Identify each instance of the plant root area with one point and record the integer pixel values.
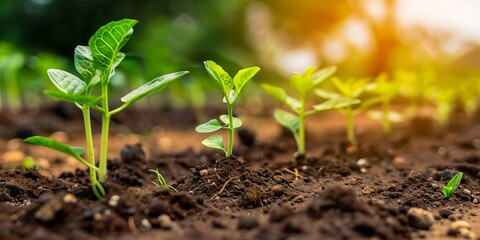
(382, 187)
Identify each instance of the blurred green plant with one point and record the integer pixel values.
(303, 84)
(160, 181)
(96, 64)
(231, 88)
(11, 62)
(351, 89)
(29, 164)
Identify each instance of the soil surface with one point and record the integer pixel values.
(382, 187)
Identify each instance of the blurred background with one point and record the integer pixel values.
(437, 38)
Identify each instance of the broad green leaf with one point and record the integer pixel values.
(210, 126)
(452, 185)
(327, 95)
(342, 87)
(322, 74)
(66, 82)
(215, 141)
(336, 103)
(236, 121)
(302, 83)
(74, 152)
(83, 100)
(281, 96)
(222, 77)
(242, 77)
(84, 63)
(118, 59)
(287, 120)
(106, 43)
(151, 87)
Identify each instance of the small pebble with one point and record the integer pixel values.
(247, 222)
(363, 170)
(352, 149)
(466, 191)
(146, 224)
(299, 199)
(203, 172)
(13, 156)
(475, 200)
(399, 161)
(113, 202)
(459, 224)
(363, 162)
(165, 221)
(445, 213)
(420, 218)
(97, 216)
(69, 198)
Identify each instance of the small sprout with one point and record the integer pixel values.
(303, 84)
(452, 185)
(160, 182)
(29, 164)
(231, 90)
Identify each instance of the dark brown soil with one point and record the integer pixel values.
(337, 191)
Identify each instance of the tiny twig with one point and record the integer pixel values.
(411, 172)
(296, 174)
(218, 176)
(223, 188)
(132, 226)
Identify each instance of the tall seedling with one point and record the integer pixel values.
(231, 90)
(96, 64)
(304, 84)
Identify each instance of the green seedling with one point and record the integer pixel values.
(29, 164)
(452, 185)
(232, 88)
(304, 84)
(11, 62)
(160, 182)
(351, 89)
(96, 64)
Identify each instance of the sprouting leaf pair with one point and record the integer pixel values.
(303, 84)
(231, 88)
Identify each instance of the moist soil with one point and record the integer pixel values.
(338, 191)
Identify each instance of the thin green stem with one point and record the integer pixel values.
(301, 128)
(350, 126)
(230, 130)
(96, 186)
(102, 172)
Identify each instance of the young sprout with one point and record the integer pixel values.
(351, 89)
(29, 164)
(96, 64)
(452, 185)
(231, 90)
(160, 182)
(303, 84)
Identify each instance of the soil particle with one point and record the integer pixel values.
(132, 153)
(47, 212)
(247, 222)
(247, 136)
(420, 218)
(278, 213)
(444, 175)
(445, 213)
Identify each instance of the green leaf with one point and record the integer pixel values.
(83, 100)
(210, 126)
(84, 63)
(242, 77)
(74, 152)
(118, 59)
(322, 74)
(303, 83)
(215, 141)
(106, 43)
(222, 77)
(342, 87)
(452, 185)
(281, 96)
(236, 121)
(66, 82)
(287, 120)
(151, 87)
(327, 95)
(336, 103)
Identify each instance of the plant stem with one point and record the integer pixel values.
(91, 151)
(350, 126)
(230, 130)
(301, 128)
(102, 172)
(387, 127)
